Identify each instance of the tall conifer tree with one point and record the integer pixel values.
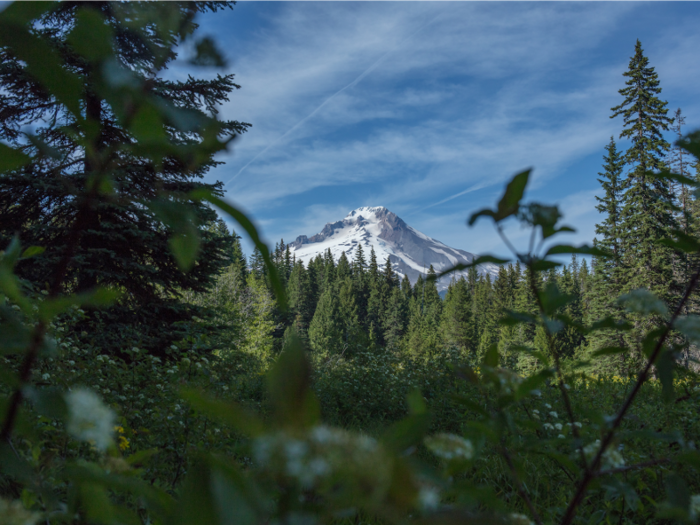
(647, 212)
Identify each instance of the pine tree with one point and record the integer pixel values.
(300, 298)
(325, 330)
(395, 318)
(647, 211)
(123, 244)
(343, 269)
(456, 323)
(609, 273)
(257, 264)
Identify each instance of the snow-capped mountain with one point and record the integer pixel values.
(410, 251)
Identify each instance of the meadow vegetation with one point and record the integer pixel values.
(150, 374)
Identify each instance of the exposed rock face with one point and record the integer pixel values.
(410, 252)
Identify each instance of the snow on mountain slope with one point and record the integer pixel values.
(411, 252)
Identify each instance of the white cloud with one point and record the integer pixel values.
(423, 106)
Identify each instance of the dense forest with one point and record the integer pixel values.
(152, 374)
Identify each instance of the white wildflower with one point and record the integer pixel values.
(46, 377)
(577, 424)
(554, 414)
(520, 519)
(561, 436)
(428, 498)
(450, 446)
(547, 405)
(535, 411)
(548, 426)
(14, 513)
(558, 426)
(89, 418)
(694, 510)
(611, 459)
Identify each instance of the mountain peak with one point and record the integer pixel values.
(411, 252)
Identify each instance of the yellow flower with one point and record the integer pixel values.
(123, 443)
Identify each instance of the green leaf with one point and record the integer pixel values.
(91, 37)
(670, 176)
(48, 402)
(185, 248)
(665, 365)
(42, 61)
(289, 387)
(691, 144)
(681, 242)
(147, 125)
(483, 259)
(11, 159)
(509, 203)
(251, 230)
(552, 299)
(677, 491)
(32, 251)
(491, 358)
(643, 302)
(226, 412)
(22, 13)
(98, 298)
(207, 54)
(215, 493)
(531, 383)
(416, 403)
(406, 433)
(559, 249)
(610, 350)
(689, 326)
(541, 265)
(609, 323)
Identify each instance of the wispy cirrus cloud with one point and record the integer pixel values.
(427, 108)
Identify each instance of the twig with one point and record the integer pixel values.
(632, 467)
(521, 489)
(589, 474)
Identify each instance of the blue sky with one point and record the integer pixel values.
(429, 108)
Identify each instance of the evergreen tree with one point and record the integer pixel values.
(257, 264)
(456, 323)
(406, 286)
(647, 211)
(343, 269)
(123, 244)
(300, 298)
(325, 330)
(395, 318)
(388, 272)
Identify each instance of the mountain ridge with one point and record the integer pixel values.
(410, 251)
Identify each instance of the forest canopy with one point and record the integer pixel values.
(153, 374)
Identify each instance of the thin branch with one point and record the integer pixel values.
(521, 489)
(633, 467)
(589, 474)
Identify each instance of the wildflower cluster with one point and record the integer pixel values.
(611, 459)
(90, 420)
(14, 513)
(450, 447)
(324, 458)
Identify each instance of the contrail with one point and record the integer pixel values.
(306, 118)
(468, 190)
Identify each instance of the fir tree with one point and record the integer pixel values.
(395, 318)
(325, 330)
(456, 323)
(647, 211)
(123, 244)
(300, 298)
